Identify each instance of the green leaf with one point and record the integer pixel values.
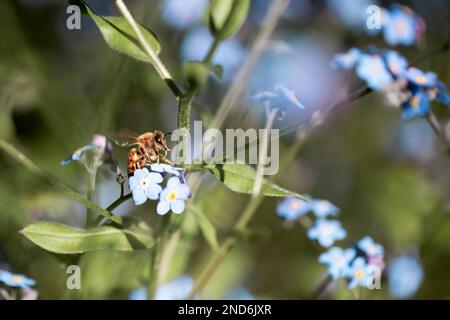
(208, 230)
(227, 16)
(119, 35)
(241, 178)
(195, 74)
(62, 239)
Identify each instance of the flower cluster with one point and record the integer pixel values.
(145, 184)
(403, 85)
(357, 264)
(401, 26)
(326, 232)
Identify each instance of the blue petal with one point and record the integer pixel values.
(163, 207)
(173, 182)
(153, 191)
(133, 182)
(154, 177)
(177, 206)
(139, 196)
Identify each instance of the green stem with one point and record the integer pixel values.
(33, 168)
(157, 251)
(438, 130)
(114, 205)
(212, 51)
(156, 62)
(90, 214)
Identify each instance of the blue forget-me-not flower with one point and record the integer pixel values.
(292, 208)
(372, 70)
(326, 232)
(359, 273)
(337, 260)
(370, 248)
(402, 26)
(145, 185)
(16, 280)
(323, 208)
(173, 197)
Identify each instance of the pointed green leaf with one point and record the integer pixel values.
(207, 229)
(62, 239)
(241, 178)
(227, 16)
(119, 35)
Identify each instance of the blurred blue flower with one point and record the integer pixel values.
(177, 289)
(292, 208)
(279, 96)
(370, 248)
(16, 280)
(420, 78)
(326, 232)
(418, 105)
(145, 184)
(372, 70)
(180, 14)
(396, 63)
(359, 273)
(402, 26)
(229, 55)
(138, 294)
(345, 60)
(405, 274)
(173, 197)
(165, 168)
(323, 208)
(337, 260)
(77, 154)
(240, 294)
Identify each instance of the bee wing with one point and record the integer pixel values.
(123, 139)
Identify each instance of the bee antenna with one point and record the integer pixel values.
(168, 133)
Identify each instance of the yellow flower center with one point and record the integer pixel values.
(172, 196)
(359, 274)
(16, 278)
(294, 205)
(339, 261)
(393, 67)
(372, 249)
(414, 102)
(421, 79)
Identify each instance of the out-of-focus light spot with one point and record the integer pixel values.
(180, 14)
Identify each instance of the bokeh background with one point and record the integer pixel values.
(58, 87)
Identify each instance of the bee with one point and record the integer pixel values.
(151, 147)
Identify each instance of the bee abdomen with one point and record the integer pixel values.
(135, 161)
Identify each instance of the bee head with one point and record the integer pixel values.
(160, 141)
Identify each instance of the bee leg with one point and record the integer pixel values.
(164, 159)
